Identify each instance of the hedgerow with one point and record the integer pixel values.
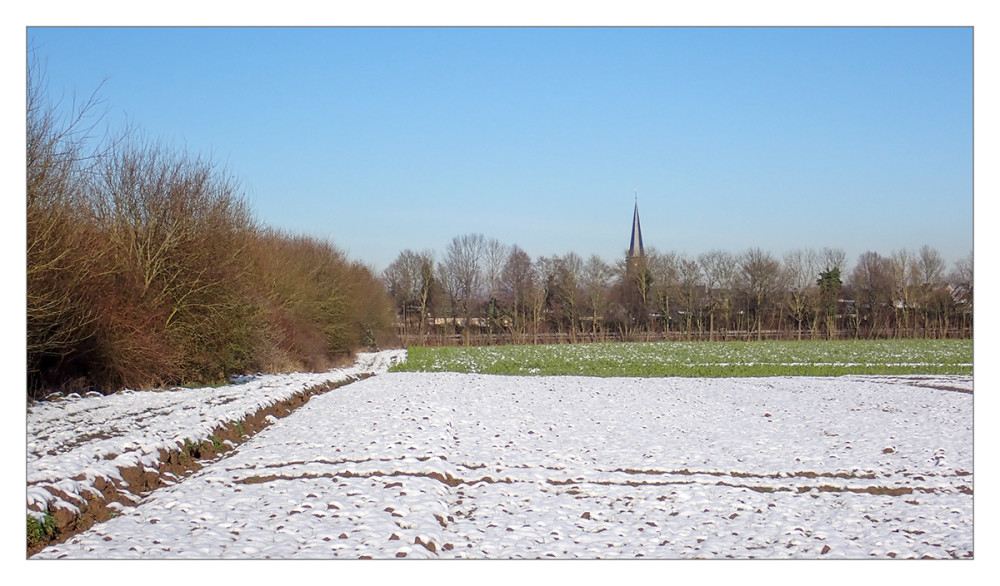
(145, 268)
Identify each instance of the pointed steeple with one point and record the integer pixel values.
(636, 233)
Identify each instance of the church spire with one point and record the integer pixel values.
(635, 247)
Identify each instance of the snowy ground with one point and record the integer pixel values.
(96, 436)
(478, 466)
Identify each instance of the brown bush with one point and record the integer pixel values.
(64, 251)
(178, 232)
(320, 306)
(145, 268)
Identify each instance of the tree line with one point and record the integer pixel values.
(482, 291)
(145, 267)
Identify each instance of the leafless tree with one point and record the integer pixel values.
(661, 284)
(962, 277)
(930, 271)
(564, 292)
(596, 284)
(543, 269)
(689, 280)
(963, 272)
(637, 293)
(752, 294)
(760, 278)
(428, 284)
(931, 266)
(400, 281)
(495, 255)
(801, 271)
(903, 271)
(409, 280)
(462, 276)
(516, 284)
(833, 258)
(719, 268)
(872, 286)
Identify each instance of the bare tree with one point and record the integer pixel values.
(495, 255)
(428, 284)
(662, 283)
(903, 268)
(689, 281)
(516, 285)
(931, 266)
(462, 276)
(719, 268)
(637, 292)
(930, 271)
(409, 280)
(963, 272)
(538, 294)
(760, 278)
(962, 277)
(400, 282)
(872, 286)
(564, 292)
(596, 284)
(752, 294)
(833, 258)
(800, 268)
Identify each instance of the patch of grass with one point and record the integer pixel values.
(216, 442)
(41, 530)
(702, 359)
(191, 449)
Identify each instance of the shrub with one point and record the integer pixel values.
(41, 530)
(318, 305)
(145, 268)
(64, 251)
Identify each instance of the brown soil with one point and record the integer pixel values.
(442, 478)
(172, 465)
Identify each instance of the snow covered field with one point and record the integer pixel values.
(96, 436)
(428, 465)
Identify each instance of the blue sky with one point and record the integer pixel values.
(382, 139)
